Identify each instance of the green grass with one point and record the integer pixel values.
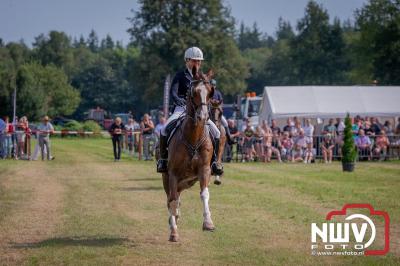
(107, 213)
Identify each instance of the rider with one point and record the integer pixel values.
(217, 98)
(179, 88)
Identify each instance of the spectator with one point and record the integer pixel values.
(21, 138)
(397, 131)
(259, 142)
(116, 135)
(327, 147)
(330, 128)
(367, 129)
(275, 147)
(299, 146)
(247, 143)
(287, 146)
(267, 141)
(2, 138)
(357, 125)
(147, 128)
(363, 144)
(289, 126)
(130, 128)
(387, 127)
(297, 128)
(274, 127)
(308, 154)
(339, 126)
(381, 145)
(45, 129)
(308, 131)
(375, 126)
(235, 135)
(160, 126)
(8, 144)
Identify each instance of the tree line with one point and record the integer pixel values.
(60, 75)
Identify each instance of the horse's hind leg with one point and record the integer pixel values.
(173, 208)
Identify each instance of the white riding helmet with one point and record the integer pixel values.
(194, 53)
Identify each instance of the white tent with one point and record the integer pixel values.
(329, 101)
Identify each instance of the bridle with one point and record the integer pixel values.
(196, 108)
(194, 149)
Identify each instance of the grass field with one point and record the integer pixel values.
(84, 209)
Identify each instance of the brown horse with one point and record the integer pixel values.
(216, 115)
(189, 154)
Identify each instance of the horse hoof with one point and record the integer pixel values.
(208, 227)
(174, 238)
(217, 181)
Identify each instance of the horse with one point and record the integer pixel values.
(216, 115)
(189, 154)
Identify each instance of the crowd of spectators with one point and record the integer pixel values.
(298, 142)
(15, 139)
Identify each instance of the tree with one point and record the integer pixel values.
(164, 29)
(379, 44)
(349, 151)
(93, 41)
(251, 38)
(318, 49)
(44, 90)
(107, 43)
(54, 49)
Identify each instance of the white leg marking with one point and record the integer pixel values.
(205, 196)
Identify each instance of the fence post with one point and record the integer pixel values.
(140, 146)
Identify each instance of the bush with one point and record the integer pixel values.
(57, 127)
(349, 150)
(73, 125)
(91, 126)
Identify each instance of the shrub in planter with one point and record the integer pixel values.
(348, 151)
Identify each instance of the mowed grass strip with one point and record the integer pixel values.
(115, 213)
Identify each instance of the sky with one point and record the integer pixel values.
(26, 19)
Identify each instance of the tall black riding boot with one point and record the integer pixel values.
(162, 164)
(231, 141)
(216, 167)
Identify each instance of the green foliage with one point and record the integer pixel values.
(91, 126)
(44, 90)
(318, 49)
(165, 29)
(73, 126)
(349, 151)
(379, 42)
(119, 79)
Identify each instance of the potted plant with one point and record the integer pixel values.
(349, 152)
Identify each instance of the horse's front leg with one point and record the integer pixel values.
(173, 208)
(205, 197)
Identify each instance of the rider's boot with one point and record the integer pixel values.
(162, 164)
(229, 138)
(216, 167)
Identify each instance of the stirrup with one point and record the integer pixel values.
(162, 166)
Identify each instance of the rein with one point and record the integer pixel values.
(193, 149)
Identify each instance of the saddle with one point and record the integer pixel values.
(171, 129)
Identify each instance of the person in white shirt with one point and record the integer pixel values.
(308, 131)
(44, 131)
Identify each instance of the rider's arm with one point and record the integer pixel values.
(174, 92)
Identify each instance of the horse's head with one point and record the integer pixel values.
(216, 111)
(199, 97)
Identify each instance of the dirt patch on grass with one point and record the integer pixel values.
(36, 218)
